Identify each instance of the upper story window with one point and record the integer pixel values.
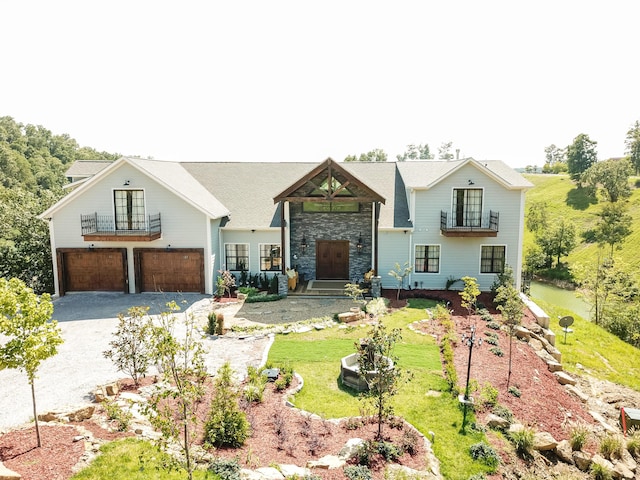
(467, 207)
(492, 258)
(270, 257)
(350, 207)
(427, 259)
(129, 208)
(236, 256)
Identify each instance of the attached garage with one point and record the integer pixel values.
(175, 270)
(98, 269)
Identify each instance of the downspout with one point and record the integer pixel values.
(410, 257)
(282, 239)
(376, 214)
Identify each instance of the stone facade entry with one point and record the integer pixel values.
(332, 259)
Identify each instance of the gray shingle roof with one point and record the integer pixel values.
(86, 168)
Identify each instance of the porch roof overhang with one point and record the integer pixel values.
(349, 188)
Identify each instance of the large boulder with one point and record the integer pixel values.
(582, 460)
(494, 421)
(564, 452)
(543, 441)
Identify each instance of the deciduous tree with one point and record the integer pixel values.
(413, 152)
(632, 144)
(30, 335)
(613, 225)
(612, 175)
(512, 308)
(581, 154)
(444, 151)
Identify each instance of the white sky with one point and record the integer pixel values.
(302, 80)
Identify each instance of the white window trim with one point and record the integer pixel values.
(113, 204)
(480, 272)
(260, 256)
(226, 267)
(439, 258)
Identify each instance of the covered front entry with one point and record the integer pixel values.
(175, 270)
(332, 259)
(92, 269)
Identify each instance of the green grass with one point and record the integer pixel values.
(565, 200)
(120, 460)
(316, 357)
(605, 355)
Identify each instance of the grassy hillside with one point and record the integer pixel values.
(564, 199)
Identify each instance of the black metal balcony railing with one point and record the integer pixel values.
(488, 224)
(121, 225)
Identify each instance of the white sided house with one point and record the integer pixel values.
(147, 225)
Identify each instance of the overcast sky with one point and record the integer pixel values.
(303, 81)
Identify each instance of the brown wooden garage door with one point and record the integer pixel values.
(175, 270)
(98, 269)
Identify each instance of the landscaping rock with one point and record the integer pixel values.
(600, 460)
(554, 366)
(269, 473)
(628, 460)
(564, 452)
(536, 344)
(82, 414)
(400, 471)
(111, 389)
(582, 460)
(522, 333)
(350, 448)
(328, 462)
(516, 427)
(620, 470)
(6, 474)
(293, 471)
(584, 398)
(543, 441)
(564, 378)
(494, 421)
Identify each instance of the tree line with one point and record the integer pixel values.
(33, 162)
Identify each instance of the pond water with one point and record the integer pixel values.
(561, 297)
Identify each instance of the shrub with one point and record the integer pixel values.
(248, 291)
(409, 441)
(116, 413)
(365, 453)
(522, 440)
(256, 383)
(493, 325)
(633, 443)
(503, 412)
(358, 472)
(484, 453)
(388, 451)
(280, 384)
(226, 469)
(485, 315)
(264, 298)
(211, 323)
(497, 351)
(611, 446)
(578, 435)
(227, 425)
(442, 315)
(489, 395)
(491, 341)
(600, 472)
(515, 391)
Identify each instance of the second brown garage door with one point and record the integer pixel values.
(175, 270)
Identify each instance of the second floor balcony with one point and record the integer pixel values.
(138, 228)
(484, 226)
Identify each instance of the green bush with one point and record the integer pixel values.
(515, 391)
(248, 291)
(116, 413)
(484, 453)
(503, 412)
(497, 351)
(485, 315)
(493, 325)
(226, 469)
(211, 323)
(264, 298)
(358, 472)
(489, 395)
(388, 451)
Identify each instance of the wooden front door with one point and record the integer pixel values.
(332, 259)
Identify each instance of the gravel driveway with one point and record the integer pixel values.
(87, 321)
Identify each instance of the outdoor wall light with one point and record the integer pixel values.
(359, 245)
(303, 244)
(471, 182)
(126, 183)
(91, 246)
